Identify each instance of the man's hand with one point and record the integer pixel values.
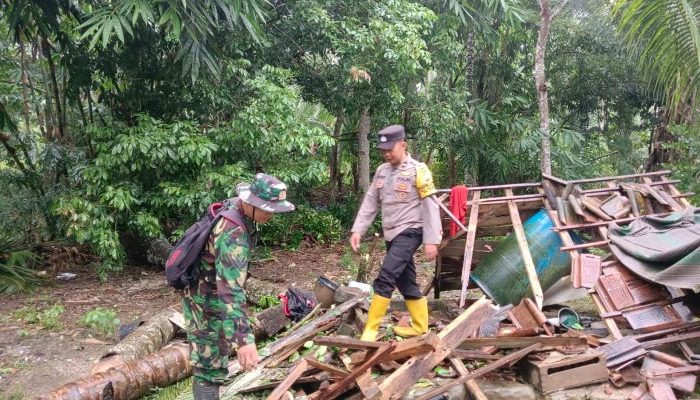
(248, 357)
(355, 239)
(430, 251)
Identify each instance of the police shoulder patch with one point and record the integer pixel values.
(424, 181)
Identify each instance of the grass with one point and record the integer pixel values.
(47, 318)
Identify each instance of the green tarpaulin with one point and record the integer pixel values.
(662, 250)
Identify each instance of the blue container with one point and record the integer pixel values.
(501, 274)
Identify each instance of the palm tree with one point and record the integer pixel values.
(195, 23)
(665, 37)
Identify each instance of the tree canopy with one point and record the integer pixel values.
(126, 118)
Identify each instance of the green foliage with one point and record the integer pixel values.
(304, 224)
(172, 392)
(665, 36)
(686, 165)
(101, 322)
(194, 24)
(16, 273)
(48, 318)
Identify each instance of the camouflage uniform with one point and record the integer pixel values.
(215, 310)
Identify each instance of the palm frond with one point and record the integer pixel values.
(665, 36)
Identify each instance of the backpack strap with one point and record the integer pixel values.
(222, 209)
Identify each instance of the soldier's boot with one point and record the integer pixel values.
(203, 390)
(419, 319)
(377, 309)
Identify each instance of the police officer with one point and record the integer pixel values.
(403, 188)
(215, 310)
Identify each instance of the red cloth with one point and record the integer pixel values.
(458, 207)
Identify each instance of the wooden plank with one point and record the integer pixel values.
(603, 223)
(287, 383)
(347, 343)
(449, 213)
(525, 252)
(671, 339)
(338, 388)
(469, 247)
(507, 360)
(335, 371)
(499, 187)
(609, 322)
(473, 355)
(471, 385)
(406, 348)
(367, 385)
(601, 243)
(674, 191)
(509, 342)
(566, 239)
(692, 369)
(396, 385)
(619, 177)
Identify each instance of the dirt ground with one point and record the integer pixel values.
(36, 358)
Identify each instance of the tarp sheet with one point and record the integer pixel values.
(665, 250)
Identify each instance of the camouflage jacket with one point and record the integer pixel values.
(225, 261)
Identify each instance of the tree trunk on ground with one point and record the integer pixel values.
(334, 162)
(546, 17)
(363, 152)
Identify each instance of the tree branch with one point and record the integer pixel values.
(558, 9)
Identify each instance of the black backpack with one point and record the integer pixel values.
(182, 267)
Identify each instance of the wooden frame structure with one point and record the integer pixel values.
(496, 211)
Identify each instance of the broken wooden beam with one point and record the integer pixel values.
(338, 388)
(347, 343)
(469, 247)
(471, 385)
(400, 381)
(508, 342)
(294, 374)
(507, 360)
(525, 251)
(334, 371)
(405, 348)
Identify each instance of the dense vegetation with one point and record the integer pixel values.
(125, 118)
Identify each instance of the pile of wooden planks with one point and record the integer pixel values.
(625, 301)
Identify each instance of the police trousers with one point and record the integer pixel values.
(398, 269)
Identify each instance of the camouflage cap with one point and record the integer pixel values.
(266, 193)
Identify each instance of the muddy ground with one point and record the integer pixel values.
(49, 352)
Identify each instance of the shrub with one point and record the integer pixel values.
(306, 223)
(101, 322)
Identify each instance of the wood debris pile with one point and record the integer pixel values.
(647, 339)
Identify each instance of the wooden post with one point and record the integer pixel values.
(469, 246)
(525, 251)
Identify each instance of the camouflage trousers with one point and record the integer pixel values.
(208, 322)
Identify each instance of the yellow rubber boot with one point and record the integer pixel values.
(419, 318)
(377, 309)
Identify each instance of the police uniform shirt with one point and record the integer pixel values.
(405, 194)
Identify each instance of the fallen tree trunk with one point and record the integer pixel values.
(131, 379)
(146, 339)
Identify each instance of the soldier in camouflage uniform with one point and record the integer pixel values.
(215, 310)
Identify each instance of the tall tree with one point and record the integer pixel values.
(547, 15)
